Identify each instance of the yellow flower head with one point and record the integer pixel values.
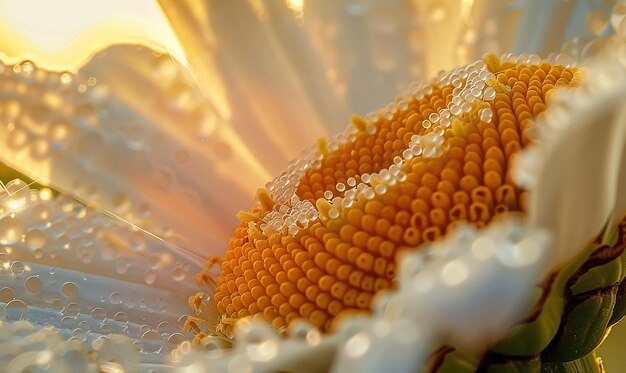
(324, 237)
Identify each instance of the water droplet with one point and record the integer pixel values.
(120, 316)
(176, 339)
(523, 253)
(6, 295)
(489, 94)
(39, 149)
(72, 309)
(122, 268)
(27, 67)
(358, 345)
(69, 290)
(105, 328)
(137, 241)
(564, 60)
(593, 48)
(11, 230)
(483, 248)
(17, 268)
(17, 138)
(259, 340)
(85, 258)
(178, 273)
(65, 78)
(151, 341)
(68, 322)
(34, 285)
(455, 272)
(181, 322)
(486, 115)
(304, 331)
(597, 22)
(79, 333)
(98, 313)
(16, 310)
(35, 239)
(333, 213)
(56, 305)
(150, 277)
(144, 328)
(115, 298)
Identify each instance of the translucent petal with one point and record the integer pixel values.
(90, 276)
(587, 145)
(139, 141)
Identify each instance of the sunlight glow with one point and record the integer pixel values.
(297, 6)
(66, 33)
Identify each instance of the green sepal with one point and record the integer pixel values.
(600, 277)
(606, 266)
(529, 338)
(583, 326)
(619, 310)
(586, 364)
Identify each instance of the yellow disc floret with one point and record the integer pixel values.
(325, 235)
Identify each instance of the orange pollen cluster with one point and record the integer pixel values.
(441, 157)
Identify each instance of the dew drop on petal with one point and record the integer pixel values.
(137, 241)
(69, 290)
(68, 322)
(6, 295)
(17, 268)
(98, 313)
(34, 285)
(150, 277)
(176, 339)
(115, 298)
(71, 309)
(121, 316)
(11, 230)
(455, 272)
(151, 341)
(597, 22)
(178, 274)
(16, 310)
(35, 239)
(358, 345)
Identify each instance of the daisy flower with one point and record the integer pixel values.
(225, 211)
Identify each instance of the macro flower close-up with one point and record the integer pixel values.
(312, 186)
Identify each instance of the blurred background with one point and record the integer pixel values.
(322, 60)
